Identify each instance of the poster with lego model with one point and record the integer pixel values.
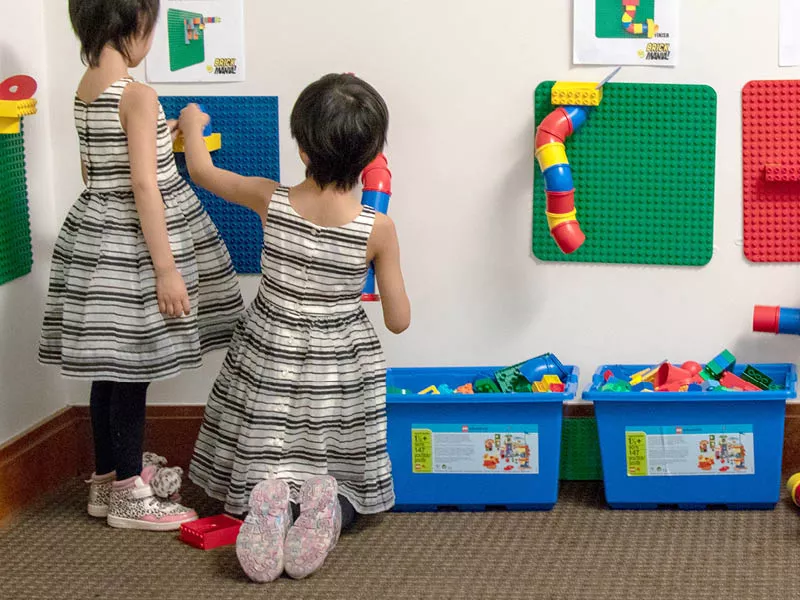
(789, 34)
(689, 450)
(475, 448)
(198, 41)
(626, 32)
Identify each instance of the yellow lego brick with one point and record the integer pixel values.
(548, 379)
(17, 108)
(541, 386)
(576, 94)
(429, 390)
(213, 143)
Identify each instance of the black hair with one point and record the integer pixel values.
(99, 23)
(340, 122)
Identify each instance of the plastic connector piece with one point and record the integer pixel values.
(776, 319)
(11, 111)
(376, 193)
(576, 94)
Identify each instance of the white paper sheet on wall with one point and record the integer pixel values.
(789, 33)
(198, 41)
(615, 32)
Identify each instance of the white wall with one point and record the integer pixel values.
(28, 392)
(459, 76)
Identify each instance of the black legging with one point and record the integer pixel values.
(349, 513)
(118, 411)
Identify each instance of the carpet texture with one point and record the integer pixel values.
(579, 551)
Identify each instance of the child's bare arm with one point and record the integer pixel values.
(139, 118)
(251, 192)
(389, 276)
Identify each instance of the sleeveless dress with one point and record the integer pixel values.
(102, 320)
(302, 388)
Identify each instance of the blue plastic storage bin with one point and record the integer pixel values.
(439, 444)
(672, 448)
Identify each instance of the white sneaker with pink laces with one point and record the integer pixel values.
(133, 506)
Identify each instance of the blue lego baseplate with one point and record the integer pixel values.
(250, 146)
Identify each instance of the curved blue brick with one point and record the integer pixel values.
(558, 178)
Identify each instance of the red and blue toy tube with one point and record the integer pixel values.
(377, 182)
(776, 319)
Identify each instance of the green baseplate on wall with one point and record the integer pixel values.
(16, 256)
(643, 169)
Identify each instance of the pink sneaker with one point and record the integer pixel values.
(99, 494)
(316, 530)
(259, 545)
(133, 506)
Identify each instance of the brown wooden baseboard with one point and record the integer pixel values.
(37, 461)
(60, 448)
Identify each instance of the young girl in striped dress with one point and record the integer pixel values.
(141, 283)
(297, 417)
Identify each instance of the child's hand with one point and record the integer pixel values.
(193, 119)
(173, 129)
(173, 299)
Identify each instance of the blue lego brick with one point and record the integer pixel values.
(250, 146)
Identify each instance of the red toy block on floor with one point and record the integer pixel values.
(211, 532)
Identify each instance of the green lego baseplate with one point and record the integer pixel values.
(183, 53)
(580, 450)
(643, 170)
(16, 255)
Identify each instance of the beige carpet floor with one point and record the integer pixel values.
(580, 550)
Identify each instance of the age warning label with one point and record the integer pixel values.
(689, 450)
(475, 448)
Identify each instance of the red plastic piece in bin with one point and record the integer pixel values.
(211, 532)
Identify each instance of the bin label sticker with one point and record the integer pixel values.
(475, 448)
(689, 450)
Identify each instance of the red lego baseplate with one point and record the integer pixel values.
(770, 159)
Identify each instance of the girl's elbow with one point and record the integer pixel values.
(398, 327)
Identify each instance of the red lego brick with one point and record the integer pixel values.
(729, 380)
(771, 137)
(211, 532)
(782, 173)
(557, 387)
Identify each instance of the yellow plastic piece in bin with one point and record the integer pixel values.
(430, 390)
(541, 386)
(213, 143)
(551, 379)
(576, 94)
(11, 111)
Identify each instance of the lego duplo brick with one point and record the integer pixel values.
(608, 17)
(770, 156)
(249, 129)
(184, 52)
(643, 170)
(16, 255)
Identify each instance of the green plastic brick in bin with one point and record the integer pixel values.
(580, 450)
(643, 170)
(16, 256)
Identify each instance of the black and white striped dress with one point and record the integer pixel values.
(102, 320)
(302, 389)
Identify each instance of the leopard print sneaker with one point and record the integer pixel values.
(99, 493)
(132, 505)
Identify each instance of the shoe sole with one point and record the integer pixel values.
(97, 510)
(315, 494)
(250, 542)
(123, 523)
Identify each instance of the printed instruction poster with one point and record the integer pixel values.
(789, 53)
(198, 41)
(626, 32)
(690, 450)
(497, 449)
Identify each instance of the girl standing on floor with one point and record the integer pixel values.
(141, 284)
(297, 415)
